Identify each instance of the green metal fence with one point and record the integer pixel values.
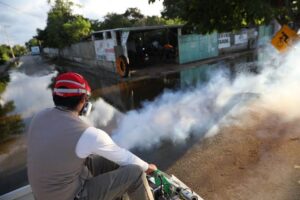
(195, 47)
(265, 34)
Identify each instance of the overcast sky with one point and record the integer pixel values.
(19, 19)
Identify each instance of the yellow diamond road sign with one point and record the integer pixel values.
(284, 38)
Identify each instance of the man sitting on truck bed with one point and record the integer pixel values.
(69, 159)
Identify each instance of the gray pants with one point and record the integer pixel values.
(110, 181)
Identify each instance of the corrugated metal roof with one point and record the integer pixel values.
(141, 28)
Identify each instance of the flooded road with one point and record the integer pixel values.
(129, 109)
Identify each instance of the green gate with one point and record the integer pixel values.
(265, 34)
(196, 47)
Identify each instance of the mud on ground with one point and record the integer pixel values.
(257, 158)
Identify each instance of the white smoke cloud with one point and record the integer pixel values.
(176, 115)
(103, 114)
(282, 84)
(31, 94)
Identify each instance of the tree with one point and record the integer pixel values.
(114, 20)
(131, 17)
(95, 24)
(156, 20)
(41, 36)
(63, 28)
(19, 50)
(32, 42)
(76, 29)
(226, 15)
(5, 54)
(59, 14)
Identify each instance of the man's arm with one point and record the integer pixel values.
(96, 141)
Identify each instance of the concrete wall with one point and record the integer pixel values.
(83, 54)
(51, 52)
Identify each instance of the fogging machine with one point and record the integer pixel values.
(169, 187)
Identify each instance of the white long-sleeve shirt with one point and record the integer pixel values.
(96, 141)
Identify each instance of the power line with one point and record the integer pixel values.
(18, 10)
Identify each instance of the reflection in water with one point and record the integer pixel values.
(30, 94)
(10, 124)
(194, 76)
(128, 95)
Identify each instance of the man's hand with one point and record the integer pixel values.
(151, 168)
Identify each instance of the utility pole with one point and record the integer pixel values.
(8, 42)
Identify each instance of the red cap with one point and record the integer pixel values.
(71, 84)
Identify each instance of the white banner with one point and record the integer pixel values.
(124, 38)
(105, 50)
(224, 40)
(241, 39)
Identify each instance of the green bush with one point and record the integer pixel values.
(4, 53)
(2, 87)
(4, 58)
(19, 50)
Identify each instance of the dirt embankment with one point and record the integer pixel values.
(256, 158)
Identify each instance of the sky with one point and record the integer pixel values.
(19, 19)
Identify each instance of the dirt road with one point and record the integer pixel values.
(257, 158)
